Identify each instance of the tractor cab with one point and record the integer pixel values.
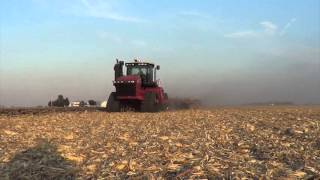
(145, 70)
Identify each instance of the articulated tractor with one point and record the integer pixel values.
(138, 89)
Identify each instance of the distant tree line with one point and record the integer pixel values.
(59, 102)
(92, 103)
(276, 103)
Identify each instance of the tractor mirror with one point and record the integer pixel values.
(158, 67)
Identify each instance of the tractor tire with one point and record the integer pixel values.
(149, 103)
(113, 104)
(165, 106)
(166, 97)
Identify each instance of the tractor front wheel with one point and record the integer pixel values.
(149, 103)
(113, 104)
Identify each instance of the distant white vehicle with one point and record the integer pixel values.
(78, 104)
(103, 104)
(74, 104)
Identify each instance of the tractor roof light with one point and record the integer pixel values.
(121, 82)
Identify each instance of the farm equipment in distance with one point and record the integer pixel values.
(138, 89)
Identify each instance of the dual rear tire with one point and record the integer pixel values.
(149, 104)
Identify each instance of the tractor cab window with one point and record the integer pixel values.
(137, 70)
(145, 72)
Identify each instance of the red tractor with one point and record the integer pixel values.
(138, 90)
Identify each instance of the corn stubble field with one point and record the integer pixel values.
(220, 143)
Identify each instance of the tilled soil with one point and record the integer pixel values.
(221, 143)
(45, 110)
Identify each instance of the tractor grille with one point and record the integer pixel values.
(126, 89)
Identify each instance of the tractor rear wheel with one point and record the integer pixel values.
(166, 97)
(149, 103)
(113, 104)
(165, 106)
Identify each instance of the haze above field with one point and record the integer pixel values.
(222, 52)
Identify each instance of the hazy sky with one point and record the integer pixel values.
(221, 51)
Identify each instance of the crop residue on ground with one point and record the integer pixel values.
(242, 142)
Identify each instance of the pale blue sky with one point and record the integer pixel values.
(267, 49)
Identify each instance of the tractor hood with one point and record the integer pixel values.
(129, 79)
